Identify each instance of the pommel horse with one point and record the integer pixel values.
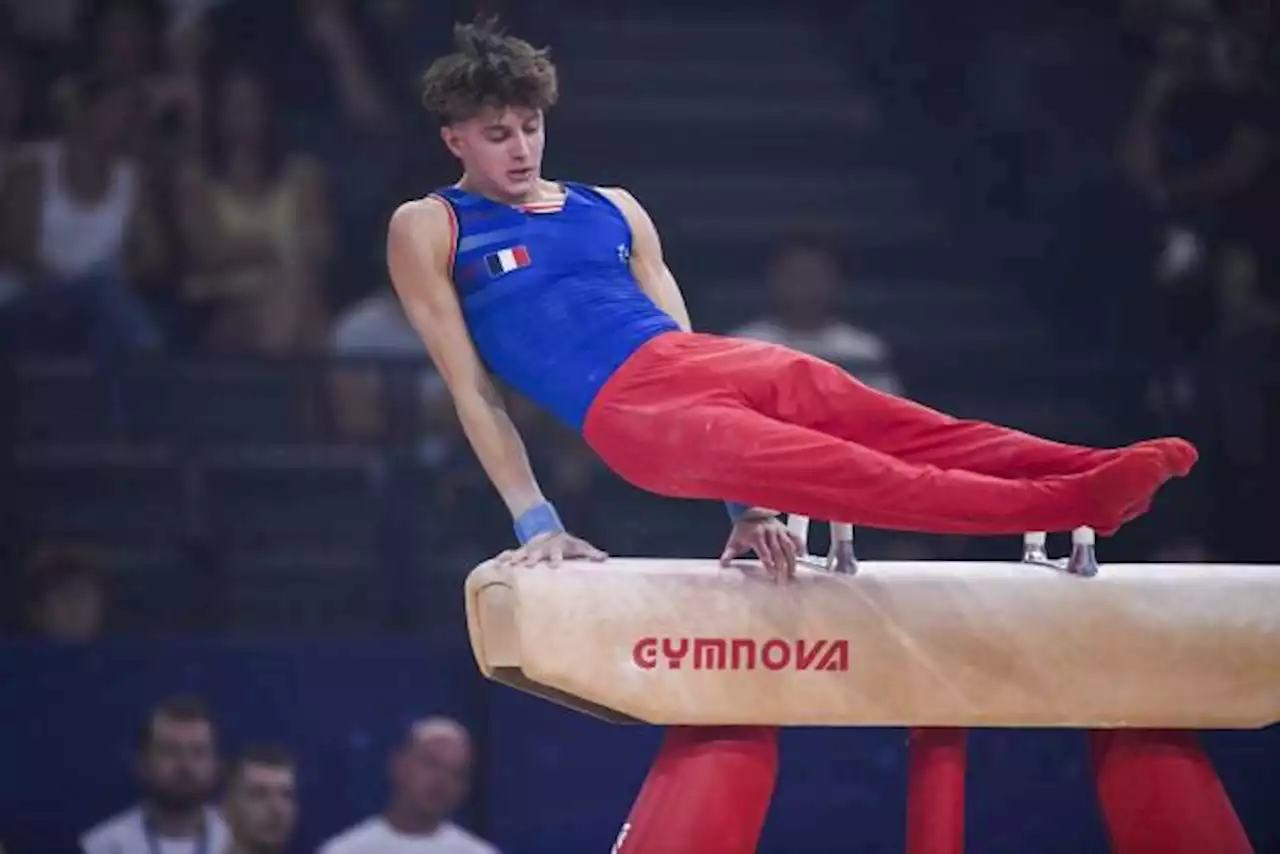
(934, 646)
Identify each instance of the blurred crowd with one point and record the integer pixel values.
(169, 169)
(194, 801)
(1201, 148)
(209, 177)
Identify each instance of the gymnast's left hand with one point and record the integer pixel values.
(551, 548)
(768, 537)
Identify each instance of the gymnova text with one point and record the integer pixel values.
(740, 654)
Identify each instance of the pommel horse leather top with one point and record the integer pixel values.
(937, 643)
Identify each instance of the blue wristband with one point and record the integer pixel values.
(736, 511)
(538, 519)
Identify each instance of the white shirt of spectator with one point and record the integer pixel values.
(126, 834)
(376, 328)
(861, 353)
(375, 836)
(78, 239)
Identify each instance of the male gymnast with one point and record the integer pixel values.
(560, 290)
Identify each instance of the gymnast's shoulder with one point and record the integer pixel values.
(634, 212)
(620, 196)
(429, 215)
(420, 238)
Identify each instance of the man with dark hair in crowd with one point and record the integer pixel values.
(430, 777)
(64, 598)
(261, 800)
(177, 765)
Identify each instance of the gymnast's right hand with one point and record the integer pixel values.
(552, 548)
(764, 534)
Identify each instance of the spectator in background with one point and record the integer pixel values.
(177, 765)
(122, 41)
(1201, 146)
(378, 339)
(804, 280)
(65, 600)
(430, 777)
(78, 228)
(121, 38)
(357, 125)
(255, 220)
(261, 801)
(327, 28)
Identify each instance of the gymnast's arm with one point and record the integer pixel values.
(647, 263)
(418, 248)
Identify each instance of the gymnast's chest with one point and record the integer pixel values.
(542, 250)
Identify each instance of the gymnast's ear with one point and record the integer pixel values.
(452, 140)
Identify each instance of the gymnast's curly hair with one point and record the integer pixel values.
(488, 69)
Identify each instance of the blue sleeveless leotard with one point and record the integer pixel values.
(548, 295)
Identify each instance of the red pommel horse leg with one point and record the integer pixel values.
(1157, 790)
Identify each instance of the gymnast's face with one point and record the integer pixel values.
(501, 150)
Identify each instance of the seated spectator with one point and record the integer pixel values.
(78, 229)
(261, 801)
(65, 600)
(327, 27)
(1200, 145)
(177, 765)
(255, 220)
(375, 334)
(120, 42)
(430, 777)
(804, 281)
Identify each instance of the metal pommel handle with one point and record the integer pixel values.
(840, 558)
(1083, 560)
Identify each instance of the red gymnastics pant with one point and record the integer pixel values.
(701, 416)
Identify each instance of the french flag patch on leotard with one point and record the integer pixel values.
(505, 260)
